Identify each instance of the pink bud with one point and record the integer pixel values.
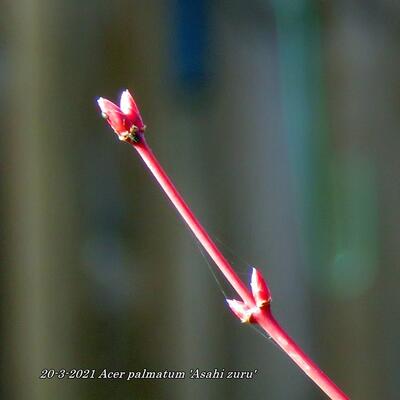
(259, 288)
(241, 310)
(130, 109)
(126, 119)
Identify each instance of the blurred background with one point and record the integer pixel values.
(278, 120)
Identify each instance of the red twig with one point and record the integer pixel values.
(264, 317)
(251, 310)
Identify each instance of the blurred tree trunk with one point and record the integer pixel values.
(40, 200)
(363, 60)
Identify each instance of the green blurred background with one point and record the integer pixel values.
(279, 122)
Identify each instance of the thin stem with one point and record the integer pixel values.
(267, 321)
(264, 316)
(200, 233)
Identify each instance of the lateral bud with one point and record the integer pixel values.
(259, 288)
(241, 310)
